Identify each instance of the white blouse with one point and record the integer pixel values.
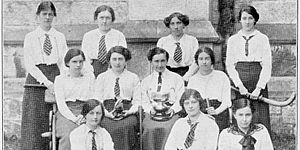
(35, 55)
(259, 51)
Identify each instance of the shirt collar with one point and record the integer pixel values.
(101, 34)
(122, 74)
(164, 73)
(41, 32)
(87, 129)
(180, 40)
(252, 34)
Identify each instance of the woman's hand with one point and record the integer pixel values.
(243, 90)
(51, 88)
(211, 111)
(109, 115)
(80, 119)
(255, 93)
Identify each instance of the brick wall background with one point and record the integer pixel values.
(141, 22)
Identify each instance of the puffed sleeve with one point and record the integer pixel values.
(224, 140)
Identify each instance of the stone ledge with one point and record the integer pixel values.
(134, 31)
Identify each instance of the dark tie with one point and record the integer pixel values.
(190, 137)
(47, 45)
(117, 87)
(159, 82)
(102, 50)
(178, 53)
(94, 146)
(247, 44)
(247, 141)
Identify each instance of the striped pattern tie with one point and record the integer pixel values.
(47, 45)
(190, 138)
(159, 82)
(247, 44)
(102, 50)
(178, 53)
(117, 87)
(94, 146)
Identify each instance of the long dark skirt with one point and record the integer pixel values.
(35, 112)
(124, 132)
(249, 74)
(65, 126)
(155, 133)
(99, 67)
(222, 119)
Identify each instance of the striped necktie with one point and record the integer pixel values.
(47, 45)
(117, 88)
(159, 82)
(178, 53)
(102, 50)
(190, 137)
(247, 44)
(94, 146)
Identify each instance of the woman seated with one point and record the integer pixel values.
(117, 88)
(91, 136)
(197, 131)
(161, 91)
(244, 134)
(213, 85)
(71, 88)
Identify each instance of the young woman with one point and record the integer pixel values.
(249, 61)
(197, 131)
(179, 45)
(160, 81)
(71, 88)
(44, 49)
(244, 134)
(213, 85)
(96, 43)
(112, 86)
(91, 136)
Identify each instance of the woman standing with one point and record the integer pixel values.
(244, 134)
(113, 86)
(97, 42)
(179, 45)
(72, 88)
(249, 61)
(197, 131)
(44, 49)
(160, 82)
(213, 85)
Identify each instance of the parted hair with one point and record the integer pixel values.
(121, 50)
(242, 103)
(250, 10)
(156, 51)
(72, 53)
(208, 51)
(183, 18)
(191, 93)
(46, 5)
(90, 105)
(104, 8)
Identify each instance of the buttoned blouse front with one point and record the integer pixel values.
(81, 139)
(259, 51)
(35, 55)
(128, 82)
(206, 134)
(215, 85)
(189, 45)
(171, 82)
(68, 88)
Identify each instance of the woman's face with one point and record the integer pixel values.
(45, 18)
(204, 61)
(104, 20)
(76, 64)
(159, 62)
(93, 118)
(176, 26)
(117, 62)
(192, 107)
(243, 117)
(247, 21)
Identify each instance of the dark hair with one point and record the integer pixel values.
(90, 105)
(250, 10)
(46, 5)
(187, 94)
(121, 50)
(242, 103)
(104, 8)
(208, 51)
(183, 18)
(72, 53)
(156, 51)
